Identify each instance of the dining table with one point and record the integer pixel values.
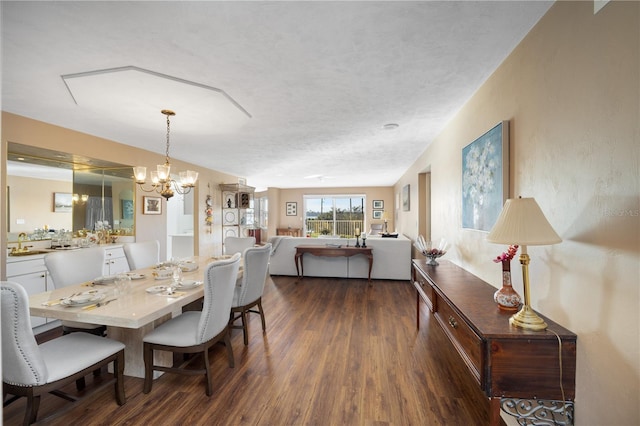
(129, 315)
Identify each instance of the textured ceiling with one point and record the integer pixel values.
(316, 80)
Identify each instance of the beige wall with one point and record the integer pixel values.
(31, 132)
(32, 202)
(279, 198)
(571, 93)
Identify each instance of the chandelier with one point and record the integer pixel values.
(80, 198)
(161, 181)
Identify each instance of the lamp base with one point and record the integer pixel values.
(527, 319)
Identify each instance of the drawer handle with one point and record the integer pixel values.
(453, 323)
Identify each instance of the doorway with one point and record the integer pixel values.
(180, 226)
(424, 205)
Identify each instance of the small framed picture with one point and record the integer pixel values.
(378, 204)
(377, 214)
(127, 209)
(406, 206)
(152, 205)
(62, 202)
(292, 208)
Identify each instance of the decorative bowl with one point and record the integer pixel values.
(433, 254)
(430, 251)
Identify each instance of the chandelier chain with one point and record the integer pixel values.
(168, 130)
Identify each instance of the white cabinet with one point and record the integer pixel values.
(115, 261)
(237, 209)
(31, 273)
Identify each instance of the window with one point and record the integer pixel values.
(341, 215)
(263, 212)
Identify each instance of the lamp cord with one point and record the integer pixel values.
(564, 400)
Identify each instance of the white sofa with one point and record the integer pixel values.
(391, 258)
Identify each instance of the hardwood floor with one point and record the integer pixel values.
(336, 352)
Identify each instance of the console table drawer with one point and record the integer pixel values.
(464, 339)
(424, 288)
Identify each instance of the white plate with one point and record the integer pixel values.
(135, 276)
(188, 266)
(189, 284)
(104, 280)
(75, 302)
(223, 257)
(156, 289)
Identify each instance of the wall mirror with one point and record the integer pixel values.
(52, 190)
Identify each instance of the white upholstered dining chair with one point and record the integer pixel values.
(248, 294)
(143, 254)
(376, 229)
(238, 244)
(195, 332)
(75, 267)
(32, 370)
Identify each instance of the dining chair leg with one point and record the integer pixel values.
(118, 372)
(227, 343)
(80, 384)
(207, 372)
(264, 325)
(33, 404)
(245, 328)
(148, 367)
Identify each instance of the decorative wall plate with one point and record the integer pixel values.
(230, 231)
(229, 217)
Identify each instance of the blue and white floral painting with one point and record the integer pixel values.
(484, 168)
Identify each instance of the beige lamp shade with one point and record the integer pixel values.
(522, 222)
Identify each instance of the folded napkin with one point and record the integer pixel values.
(52, 302)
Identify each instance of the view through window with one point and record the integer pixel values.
(335, 215)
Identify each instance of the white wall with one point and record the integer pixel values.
(571, 93)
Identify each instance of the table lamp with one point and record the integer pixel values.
(385, 217)
(522, 222)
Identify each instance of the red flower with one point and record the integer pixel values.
(506, 257)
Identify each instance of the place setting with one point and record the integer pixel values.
(178, 283)
(79, 299)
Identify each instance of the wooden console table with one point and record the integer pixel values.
(291, 232)
(330, 251)
(520, 371)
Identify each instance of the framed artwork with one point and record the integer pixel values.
(378, 204)
(152, 205)
(62, 202)
(485, 178)
(406, 206)
(292, 208)
(127, 209)
(377, 214)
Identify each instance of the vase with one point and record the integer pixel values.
(506, 297)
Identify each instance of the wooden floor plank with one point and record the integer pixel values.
(336, 352)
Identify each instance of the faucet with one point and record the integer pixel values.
(21, 237)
